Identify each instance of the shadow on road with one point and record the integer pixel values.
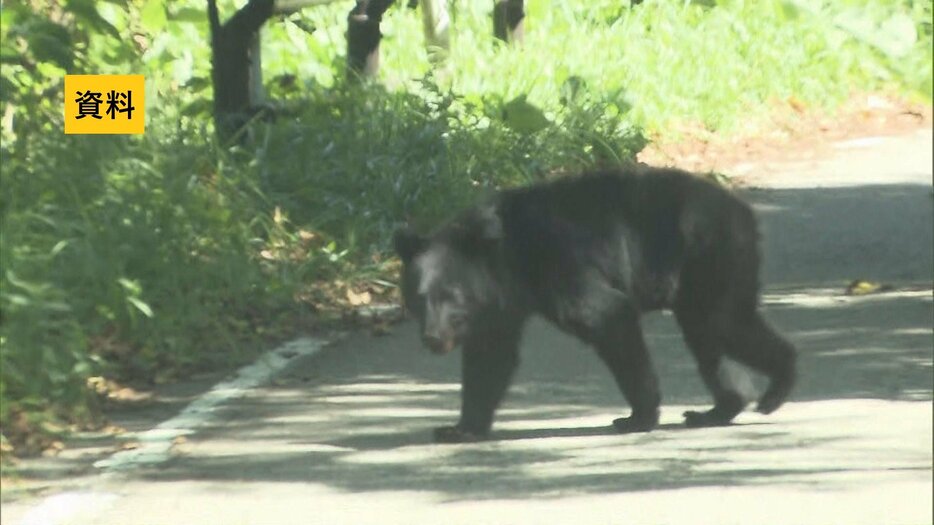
(357, 418)
(830, 236)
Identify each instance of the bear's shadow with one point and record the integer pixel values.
(395, 440)
(604, 430)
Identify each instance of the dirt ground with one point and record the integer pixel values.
(792, 133)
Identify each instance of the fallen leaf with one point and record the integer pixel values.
(357, 299)
(861, 287)
(796, 104)
(53, 449)
(113, 430)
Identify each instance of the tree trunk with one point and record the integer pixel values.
(236, 73)
(363, 37)
(508, 16)
(436, 23)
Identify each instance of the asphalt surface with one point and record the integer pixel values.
(343, 435)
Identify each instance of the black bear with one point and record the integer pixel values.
(590, 254)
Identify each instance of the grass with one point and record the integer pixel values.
(150, 257)
(674, 62)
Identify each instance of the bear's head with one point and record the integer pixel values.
(448, 279)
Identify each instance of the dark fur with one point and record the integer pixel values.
(591, 254)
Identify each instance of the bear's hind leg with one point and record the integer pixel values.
(704, 335)
(757, 345)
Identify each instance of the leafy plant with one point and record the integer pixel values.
(144, 257)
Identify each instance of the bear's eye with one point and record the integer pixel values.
(457, 319)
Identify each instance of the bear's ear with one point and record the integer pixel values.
(489, 225)
(481, 229)
(407, 243)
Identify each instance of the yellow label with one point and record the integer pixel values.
(108, 104)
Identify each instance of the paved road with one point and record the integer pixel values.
(343, 436)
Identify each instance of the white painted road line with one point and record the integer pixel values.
(156, 443)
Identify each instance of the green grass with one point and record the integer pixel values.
(674, 61)
(148, 257)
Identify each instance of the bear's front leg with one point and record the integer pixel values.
(613, 328)
(488, 364)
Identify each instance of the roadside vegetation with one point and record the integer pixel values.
(146, 258)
